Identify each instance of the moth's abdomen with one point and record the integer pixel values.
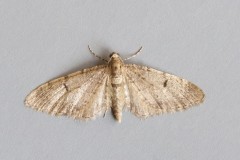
(117, 113)
(118, 100)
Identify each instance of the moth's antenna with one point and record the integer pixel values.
(96, 54)
(134, 55)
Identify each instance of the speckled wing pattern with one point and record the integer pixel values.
(152, 92)
(88, 93)
(82, 95)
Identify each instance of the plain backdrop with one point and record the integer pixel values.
(195, 39)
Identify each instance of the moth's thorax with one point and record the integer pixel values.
(116, 65)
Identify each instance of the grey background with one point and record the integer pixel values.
(195, 39)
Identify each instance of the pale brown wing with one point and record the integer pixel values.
(153, 92)
(82, 95)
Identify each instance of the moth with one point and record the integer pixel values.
(92, 92)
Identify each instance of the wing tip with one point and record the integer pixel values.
(26, 102)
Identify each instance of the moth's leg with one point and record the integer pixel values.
(96, 54)
(104, 113)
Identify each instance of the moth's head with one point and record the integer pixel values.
(114, 55)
